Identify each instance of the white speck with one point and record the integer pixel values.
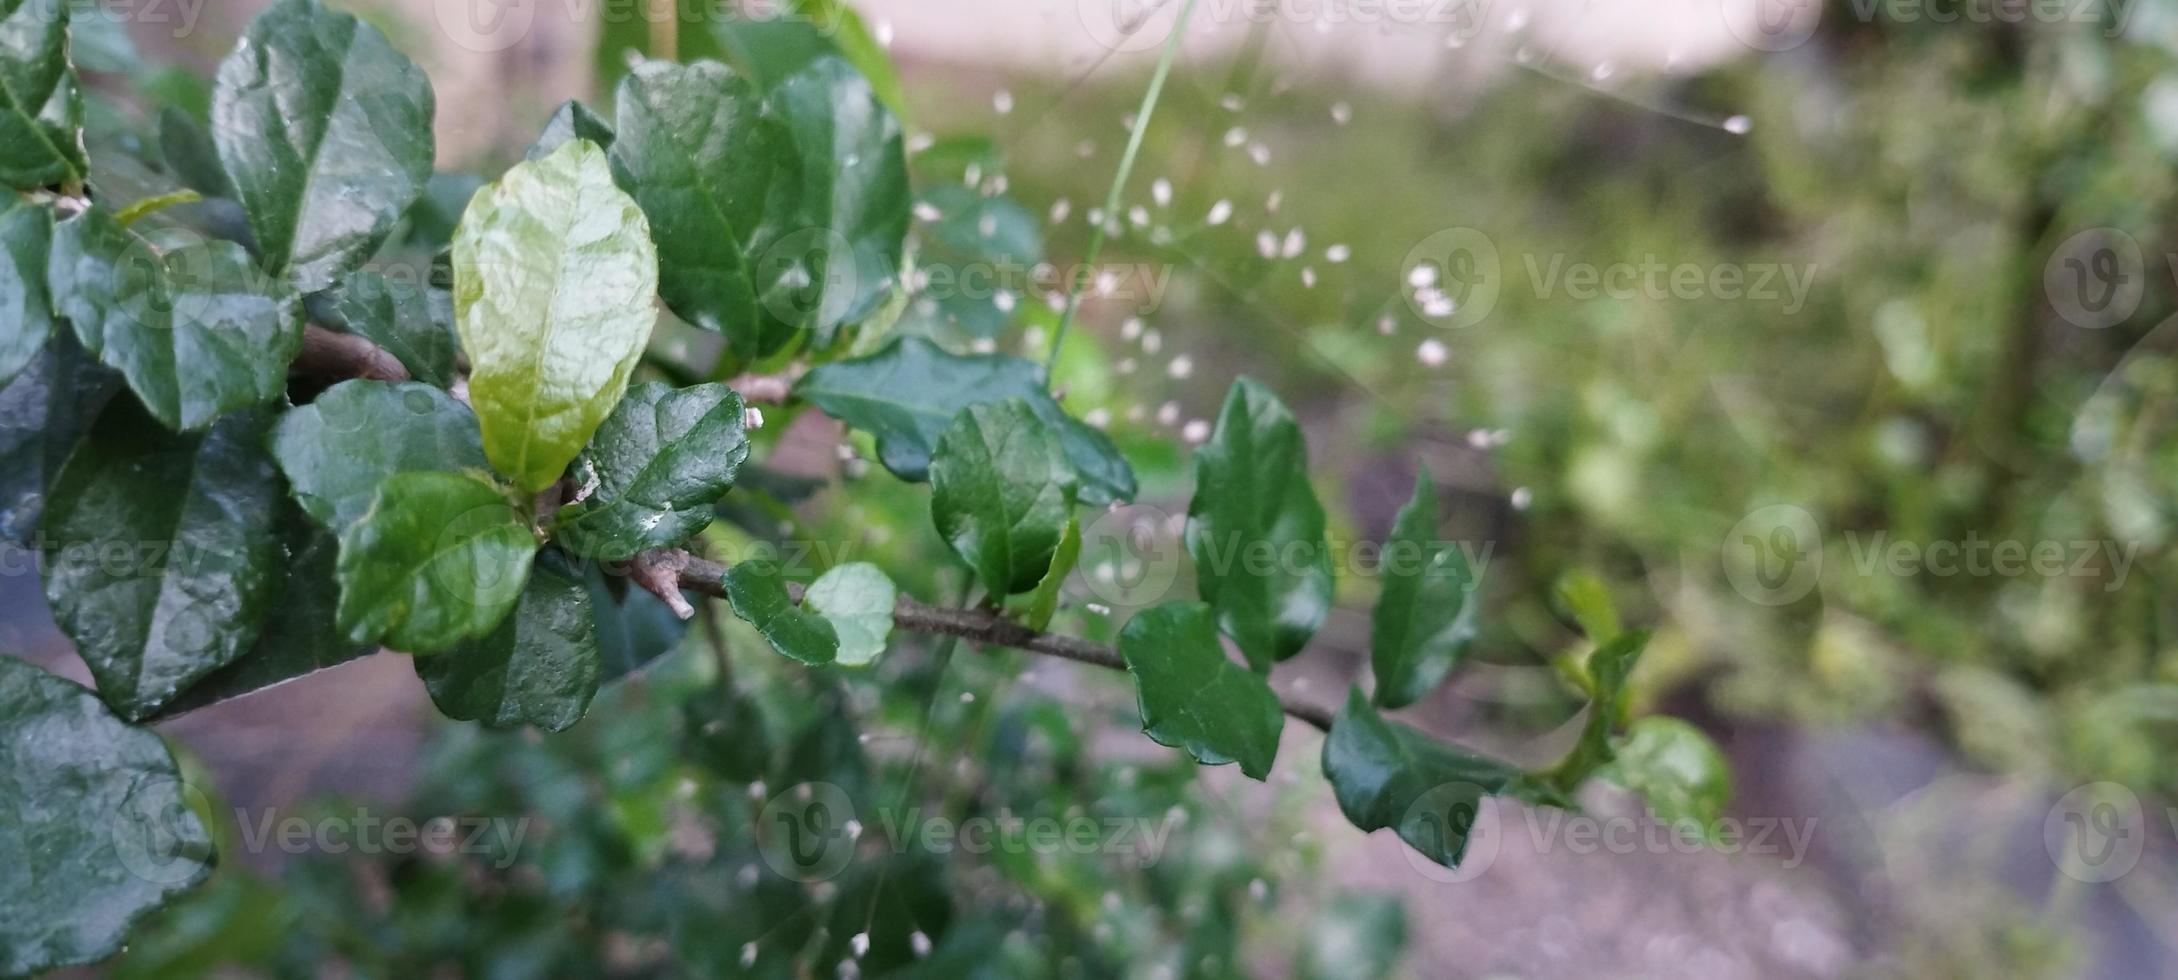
(1111, 901)
(972, 174)
(1152, 341)
(920, 142)
(984, 345)
(987, 226)
(1275, 199)
(996, 185)
(967, 697)
(919, 943)
(860, 943)
(1260, 154)
(1181, 366)
(1161, 192)
(1235, 136)
(1738, 125)
(884, 33)
(1060, 209)
(1337, 254)
(1432, 353)
(1002, 101)
(1126, 122)
(1522, 497)
(1421, 276)
(1342, 113)
(1266, 244)
(1295, 242)
(756, 790)
(1126, 365)
(1097, 418)
(925, 211)
(1096, 217)
(1195, 431)
(1085, 149)
(1130, 329)
(752, 418)
(1516, 20)
(853, 829)
(1258, 889)
(1139, 215)
(1168, 413)
(1601, 71)
(1219, 212)
(1231, 102)
(748, 955)
(1308, 277)
(1478, 438)
(1435, 304)
(1385, 325)
(1004, 300)
(1098, 608)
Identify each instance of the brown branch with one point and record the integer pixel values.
(664, 572)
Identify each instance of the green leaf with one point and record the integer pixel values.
(653, 470)
(415, 323)
(44, 412)
(192, 325)
(717, 175)
(1676, 770)
(1256, 531)
(554, 276)
(1385, 774)
(972, 232)
(633, 626)
(339, 448)
(854, 200)
(1589, 601)
(758, 591)
(437, 558)
(41, 115)
(1607, 669)
(1192, 696)
(1042, 602)
(300, 636)
(910, 390)
(164, 560)
(1425, 615)
(857, 599)
(571, 121)
(186, 148)
(325, 132)
(540, 667)
(1001, 493)
(95, 823)
(26, 313)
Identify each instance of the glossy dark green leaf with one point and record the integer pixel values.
(716, 174)
(758, 591)
(853, 206)
(164, 560)
(857, 598)
(1675, 769)
(26, 312)
(540, 667)
(1001, 492)
(907, 392)
(571, 121)
(1607, 669)
(191, 324)
(1425, 615)
(41, 115)
(1192, 696)
(338, 449)
(413, 322)
(94, 821)
(1256, 531)
(186, 148)
(554, 283)
(301, 634)
(325, 131)
(43, 413)
(438, 558)
(653, 469)
(634, 627)
(1385, 774)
